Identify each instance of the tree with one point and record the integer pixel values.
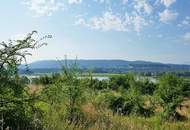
(13, 97)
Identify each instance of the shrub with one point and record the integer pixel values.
(130, 102)
(170, 95)
(147, 87)
(121, 81)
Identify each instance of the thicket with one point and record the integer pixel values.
(67, 101)
(87, 101)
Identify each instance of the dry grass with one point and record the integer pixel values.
(129, 123)
(32, 89)
(96, 119)
(105, 120)
(184, 109)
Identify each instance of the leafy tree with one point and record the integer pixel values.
(13, 98)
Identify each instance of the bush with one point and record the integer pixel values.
(121, 81)
(170, 95)
(147, 87)
(129, 102)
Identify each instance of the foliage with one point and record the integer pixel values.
(15, 102)
(147, 87)
(121, 81)
(69, 101)
(170, 95)
(131, 102)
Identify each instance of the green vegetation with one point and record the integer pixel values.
(64, 101)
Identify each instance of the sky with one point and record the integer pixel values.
(150, 30)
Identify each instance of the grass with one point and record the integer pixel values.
(103, 119)
(117, 122)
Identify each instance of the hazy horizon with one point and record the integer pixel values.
(104, 59)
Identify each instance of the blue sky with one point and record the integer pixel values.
(151, 30)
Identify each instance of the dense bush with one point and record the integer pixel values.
(170, 95)
(121, 81)
(186, 88)
(130, 102)
(147, 87)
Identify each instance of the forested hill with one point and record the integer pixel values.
(105, 66)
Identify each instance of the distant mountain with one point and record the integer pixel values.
(53, 64)
(106, 66)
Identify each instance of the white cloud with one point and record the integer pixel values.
(167, 3)
(43, 7)
(74, 1)
(140, 15)
(108, 21)
(139, 22)
(167, 16)
(143, 6)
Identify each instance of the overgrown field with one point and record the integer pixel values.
(121, 102)
(66, 102)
